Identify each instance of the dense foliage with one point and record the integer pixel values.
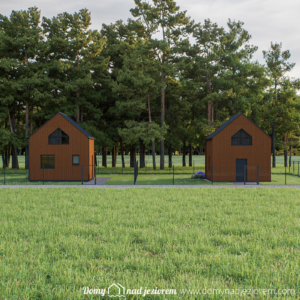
(130, 89)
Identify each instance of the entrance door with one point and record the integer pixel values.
(240, 163)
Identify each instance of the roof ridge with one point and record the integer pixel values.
(71, 121)
(218, 130)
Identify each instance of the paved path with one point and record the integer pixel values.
(148, 186)
(99, 181)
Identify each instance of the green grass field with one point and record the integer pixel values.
(149, 176)
(176, 160)
(56, 242)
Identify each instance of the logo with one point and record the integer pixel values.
(116, 290)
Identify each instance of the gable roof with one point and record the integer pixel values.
(227, 123)
(72, 122)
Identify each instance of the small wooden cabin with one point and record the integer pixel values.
(61, 150)
(238, 142)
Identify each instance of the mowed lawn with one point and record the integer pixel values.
(148, 176)
(56, 241)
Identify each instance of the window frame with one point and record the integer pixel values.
(78, 160)
(240, 138)
(47, 166)
(59, 137)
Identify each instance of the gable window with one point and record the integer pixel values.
(47, 161)
(58, 137)
(75, 160)
(241, 138)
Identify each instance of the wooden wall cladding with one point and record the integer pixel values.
(224, 155)
(64, 170)
(92, 158)
(208, 158)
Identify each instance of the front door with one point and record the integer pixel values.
(240, 163)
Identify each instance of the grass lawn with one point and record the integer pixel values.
(55, 242)
(156, 179)
(176, 160)
(149, 176)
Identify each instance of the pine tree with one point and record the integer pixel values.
(278, 65)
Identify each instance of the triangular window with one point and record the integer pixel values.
(241, 138)
(58, 137)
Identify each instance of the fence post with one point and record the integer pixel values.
(81, 174)
(285, 174)
(245, 174)
(212, 174)
(193, 167)
(173, 174)
(257, 174)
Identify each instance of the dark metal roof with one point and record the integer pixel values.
(71, 121)
(227, 123)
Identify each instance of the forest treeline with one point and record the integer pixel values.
(141, 83)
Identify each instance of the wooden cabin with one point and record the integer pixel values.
(238, 142)
(61, 150)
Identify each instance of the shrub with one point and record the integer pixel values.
(199, 175)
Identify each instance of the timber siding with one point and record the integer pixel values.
(223, 155)
(79, 144)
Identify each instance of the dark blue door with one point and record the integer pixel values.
(240, 163)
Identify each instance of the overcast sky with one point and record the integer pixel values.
(265, 20)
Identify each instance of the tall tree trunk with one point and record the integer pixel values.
(132, 157)
(285, 150)
(26, 135)
(183, 154)
(170, 156)
(100, 150)
(31, 113)
(210, 102)
(150, 121)
(7, 156)
(122, 154)
(114, 156)
(190, 156)
(162, 142)
(216, 113)
(18, 125)
(15, 163)
(153, 156)
(142, 154)
(162, 120)
(77, 94)
(126, 150)
(104, 157)
(3, 159)
(291, 150)
(26, 126)
(273, 145)
(78, 109)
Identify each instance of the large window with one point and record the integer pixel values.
(75, 160)
(58, 137)
(47, 162)
(241, 138)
